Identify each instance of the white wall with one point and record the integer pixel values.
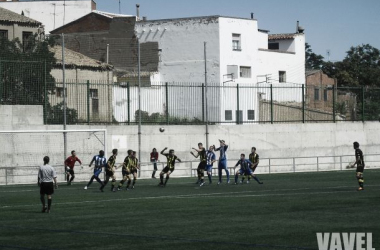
(182, 44)
(43, 11)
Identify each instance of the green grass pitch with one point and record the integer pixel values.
(284, 213)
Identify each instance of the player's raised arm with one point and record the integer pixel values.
(196, 156)
(93, 159)
(162, 152)
(178, 159)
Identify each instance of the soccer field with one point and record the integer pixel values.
(284, 213)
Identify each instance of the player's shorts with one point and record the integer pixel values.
(110, 173)
(202, 165)
(97, 171)
(245, 171)
(70, 171)
(209, 168)
(47, 188)
(167, 169)
(133, 170)
(126, 172)
(360, 169)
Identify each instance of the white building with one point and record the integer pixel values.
(237, 53)
(52, 14)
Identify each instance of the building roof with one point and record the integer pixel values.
(77, 60)
(12, 17)
(282, 36)
(193, 18)
(109, 15)
(309, 72)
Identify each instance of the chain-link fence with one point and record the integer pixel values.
(100, 78)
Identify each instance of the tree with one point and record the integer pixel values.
(25, 71)
(312, 60)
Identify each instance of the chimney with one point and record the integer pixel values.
(251, 15)
(138, 11)
(298, 24)
(145, 18)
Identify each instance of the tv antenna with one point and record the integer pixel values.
(328, 55)
(119, 7)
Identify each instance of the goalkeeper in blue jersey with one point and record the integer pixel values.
(245, 169)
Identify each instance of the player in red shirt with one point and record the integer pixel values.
(69, 165)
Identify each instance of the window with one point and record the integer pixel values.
(274, 46)
(282, 76)
(26, 36)
(316, 94)
(228, 115)
(236, 42)
(232, 71)
(4, 34)
(251, 115)
(325, 95)
(245, 72)
(239, 116)
(94, 93)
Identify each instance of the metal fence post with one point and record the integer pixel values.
(88, 102)
(129, 103)
(363, 96)
(303, 103)
(334, 105)
(167, 103)
(1, 85)
(45, 95)
(237, 105)
(294, 164)
(341, 166)
(317, 164)
(271, 104)
(269, 165)
(203, 102)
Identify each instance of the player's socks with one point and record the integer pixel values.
(242, 179)
(72, 178)
(128, 183)
(228, 175)
(98, 180)
(161, 179)
(91, 180)
(42, 198)
(249, 178)
(49, 203)
(134, 182)
(209, 177)
(167, 178)
(236, 178)
(257, 179)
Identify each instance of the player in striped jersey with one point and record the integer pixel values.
(359, 162)
(134, 165)
(110, 171)
(254, 158)
(210, 155)
(171, 158)
(244, 169)
(203, 163)
(100, 162)
(126, 169)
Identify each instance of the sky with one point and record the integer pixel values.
(330, 25)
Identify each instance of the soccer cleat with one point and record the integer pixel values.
(101, 189)
(44, 209)
(68, 183)
(153, 177)
(133, 187)
(241, 182)
(360, 189)
(219, 182)
(48, 211)
(127, 189)
(247, 182)
(228, 182)
(85, 188)
(118, 189)
(235, 183)
(197, 183)
(113, 189)
(202, 183)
